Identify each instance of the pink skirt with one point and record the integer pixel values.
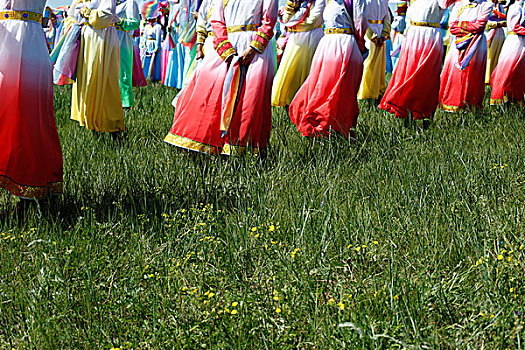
(463, 89)
(139, 80)
(414, 86)
(508, 79)
(327, 101)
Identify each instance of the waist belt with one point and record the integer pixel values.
(424, 24)
(300, 30)
(243, 28)
(339, 31)
(375, 21)
(512, 33)
(20, 16)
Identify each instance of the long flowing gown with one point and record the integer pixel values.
(327, 101)
(414, 86)
(508, 79)
(300, 49)
(96, 102)
(237, 25)
(129, 15)
(373, 83)
(30, 152)
(463, 78)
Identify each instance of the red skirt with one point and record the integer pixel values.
(414, 86)
(508, 79)
(196, 125)
(30, 152)
(463, 89)
(327, 101)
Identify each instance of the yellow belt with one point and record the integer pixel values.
(243, 28)
(338, 31)
(300, 30)
(424, 24)
(375, 21)
(512, 33)
(20, 16)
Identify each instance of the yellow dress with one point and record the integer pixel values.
(298, 54)
(96, 102)
(373, 83)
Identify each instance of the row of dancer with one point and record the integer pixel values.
(335, 54)
(226, 105)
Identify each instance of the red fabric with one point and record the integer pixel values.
(30, 151)
(139, 79)
(474, 27)
(327, 101)
(198, 111)
(464, 88)
(414, 86)
(508, 80)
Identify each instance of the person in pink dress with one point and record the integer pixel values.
(463, 76)
(508, 79)
(208, 118)
(30, 151)
(413, 91)
(327, 101)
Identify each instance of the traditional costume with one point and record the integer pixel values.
(373, 84)
(30, 152)
(463, 78)
(96, 102)
(327, 100)
(151, 58)
(495, 35)
(303, 20)
(508, 79)
(226, 108)
(397, 34)
(129, 15)
(414, 87)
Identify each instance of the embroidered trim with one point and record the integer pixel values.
(375, 21)
(192, 145)
(258, 46)
(26, 191)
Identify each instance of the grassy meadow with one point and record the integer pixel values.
(401, 238)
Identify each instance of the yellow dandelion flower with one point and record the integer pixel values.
(272, 228)
(357, 249)
(278, 310)
(234, 304)
(349, 246)
(375, 242)
(275, 292)
(234, 312)
(210, 295)
(500, 257)
(331, 302)
(341, 305)
(226, 310)
(254, 229)
(492, 316)
(396, 297)
(512, 290)
(276, 298)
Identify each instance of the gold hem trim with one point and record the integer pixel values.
(231, 150)
(33, 192)
(190, 144)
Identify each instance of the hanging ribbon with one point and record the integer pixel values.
(231, 92)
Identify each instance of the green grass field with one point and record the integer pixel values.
(402, 238)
